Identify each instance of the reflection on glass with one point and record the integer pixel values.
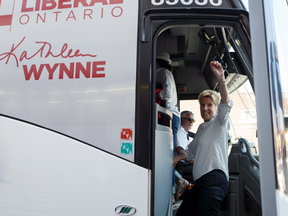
(279, 77)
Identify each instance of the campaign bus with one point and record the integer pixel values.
(79, 123)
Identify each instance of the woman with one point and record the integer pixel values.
(209, 149)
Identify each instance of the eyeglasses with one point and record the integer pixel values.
(189, 119)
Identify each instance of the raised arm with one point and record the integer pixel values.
(218, 71)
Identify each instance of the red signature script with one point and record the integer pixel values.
(44, 51)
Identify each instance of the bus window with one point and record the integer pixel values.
(243, 116)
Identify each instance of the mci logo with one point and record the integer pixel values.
(125, 210)
(7, 6)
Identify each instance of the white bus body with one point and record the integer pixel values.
(79, 127)
(67, 85)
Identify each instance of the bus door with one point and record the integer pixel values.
(165, 27)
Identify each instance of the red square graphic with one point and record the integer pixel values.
(126, 134)
(5, 20)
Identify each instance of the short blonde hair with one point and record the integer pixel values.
(212, 94)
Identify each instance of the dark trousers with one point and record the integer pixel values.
(205, 197)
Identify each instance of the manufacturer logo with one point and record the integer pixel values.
(125, 210)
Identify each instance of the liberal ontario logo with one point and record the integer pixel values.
(6, 19)
(47, 11)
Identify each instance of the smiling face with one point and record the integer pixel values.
(207, 108)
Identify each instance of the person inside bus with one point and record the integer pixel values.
(168, 92)
(182, 142)
(209, 148)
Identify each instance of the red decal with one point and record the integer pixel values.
(95, 70)
(44, 51)
(24, 7)
(42, 18)
(50, 70)
(5, 20)
(83, 2)
(33, 70)
(72, 70)
(116, 1)
(44, 5)
(104, 2)
(71, 15)
(48, 4)
(68, 71)
(85, 71)
(62, 4)
(126, 134)
(7, 55)
(88, 12)
(118, 12)
(37, 6)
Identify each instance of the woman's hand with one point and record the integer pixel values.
(218, 71)
(182, 156)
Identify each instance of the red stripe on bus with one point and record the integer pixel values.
(5, 20)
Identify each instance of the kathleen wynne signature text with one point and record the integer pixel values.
(44, 51)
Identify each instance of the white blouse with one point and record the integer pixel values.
(209, 148)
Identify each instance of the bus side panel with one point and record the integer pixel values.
(44, 173)
(71, 67)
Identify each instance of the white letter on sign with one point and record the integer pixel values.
(172, 3)
(201, 3)
(186, 3)
(157, 3)
(219, 2)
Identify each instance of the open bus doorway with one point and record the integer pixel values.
(190, 60)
